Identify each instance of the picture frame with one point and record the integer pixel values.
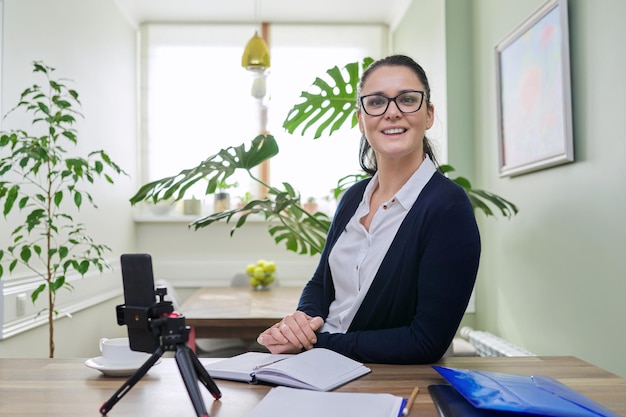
(534, 93)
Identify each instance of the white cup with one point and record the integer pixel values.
(116, 352)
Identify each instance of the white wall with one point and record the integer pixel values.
(210, 256)
(90, 42)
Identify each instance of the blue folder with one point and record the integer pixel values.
(534, 395)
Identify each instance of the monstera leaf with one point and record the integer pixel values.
(332, 105)
(288, 222)
(480, 198)
(214, 170)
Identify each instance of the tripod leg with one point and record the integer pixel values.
(188, 373)
(204, 376)
(131, 381)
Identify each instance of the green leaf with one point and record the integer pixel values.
(43, 107)
(82, 267)
(34, 218)
(58, 197)
(78, 199)
(298, 230)
(463, 182)
(25, 254)
(507, 209)
(214, 170)
(445, 168)
(57, 283)
(62, 103)
(70, 135)
(478, 204)
(345, 182)
(10, 199)
(332, 105)
(35, 294)
(63, 252)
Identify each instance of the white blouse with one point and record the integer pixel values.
(357, 255)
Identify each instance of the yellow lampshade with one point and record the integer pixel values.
(256, 56)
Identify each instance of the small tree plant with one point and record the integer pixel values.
(41, 184)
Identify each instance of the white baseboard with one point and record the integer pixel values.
(18, 314)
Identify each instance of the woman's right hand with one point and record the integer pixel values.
(292, 334)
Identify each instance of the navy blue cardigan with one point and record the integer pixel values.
(421, 290)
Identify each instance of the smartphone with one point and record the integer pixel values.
(139, 297)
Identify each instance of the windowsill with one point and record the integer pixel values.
(181, 218)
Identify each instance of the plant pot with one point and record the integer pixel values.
(311, 207)
(221, 202)
(161, 208)
(192, 207)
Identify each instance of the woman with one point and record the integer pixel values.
(402, 253)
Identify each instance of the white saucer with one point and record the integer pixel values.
(114, 370)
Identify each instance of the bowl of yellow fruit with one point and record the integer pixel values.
(262, 274)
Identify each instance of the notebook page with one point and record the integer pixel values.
(284, 401)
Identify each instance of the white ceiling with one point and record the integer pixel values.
(274, 11)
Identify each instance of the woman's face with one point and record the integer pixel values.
(395, 136)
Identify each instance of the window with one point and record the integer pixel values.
(197, 99)
(194, 99)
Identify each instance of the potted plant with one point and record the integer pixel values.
(326, 108)
(310, 205)
(222, 197)
(244, 199)
(43, 185)
(192, 206)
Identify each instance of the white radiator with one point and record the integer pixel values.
(488, 344)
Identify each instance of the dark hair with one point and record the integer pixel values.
(367, 158)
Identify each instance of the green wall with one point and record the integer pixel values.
(552, 280)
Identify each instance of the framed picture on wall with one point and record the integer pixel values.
(534, 93)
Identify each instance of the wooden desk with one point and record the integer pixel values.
(66, 387)
(233, 312)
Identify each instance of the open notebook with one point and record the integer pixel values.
(316, 369)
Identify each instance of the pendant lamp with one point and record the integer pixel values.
(256, 56)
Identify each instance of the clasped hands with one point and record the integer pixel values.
(292, 334)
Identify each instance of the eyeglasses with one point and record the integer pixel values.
(407, 102)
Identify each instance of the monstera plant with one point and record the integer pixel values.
(301, 231)
(326, 106)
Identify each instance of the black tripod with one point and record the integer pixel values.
(170, 333)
